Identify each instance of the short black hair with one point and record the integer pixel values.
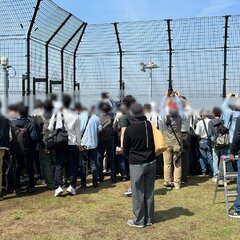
(128, 101)
(53, 97)
(217, 112)
(23, 110)
(66, 100)
(104, 95)
(12, 107)
(78, 106)
(147, 106)
(47, 105)
(105, 107)
(38, 104)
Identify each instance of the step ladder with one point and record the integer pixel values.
(225, 176)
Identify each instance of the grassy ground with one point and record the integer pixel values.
(102, 214)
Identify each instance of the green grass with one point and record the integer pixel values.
(102, 214)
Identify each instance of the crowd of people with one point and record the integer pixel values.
(61, 141)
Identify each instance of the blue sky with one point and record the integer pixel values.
(107, 11)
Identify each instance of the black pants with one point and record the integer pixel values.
(22, 161)
(109, 148)
(186, 140)
(69, 156)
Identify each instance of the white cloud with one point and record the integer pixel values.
(217, 7)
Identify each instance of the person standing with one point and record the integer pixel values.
(186, 138)
(205, 131)
(47, 156)
(89, 129)
(138, 145)
(170, 126)
(235, 149)
(5, 135)
(106, 140)
(26, 135)
(70, 154)
(218, 150)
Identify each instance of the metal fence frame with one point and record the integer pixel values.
(30, 81)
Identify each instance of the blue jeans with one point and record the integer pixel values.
(205, 157)
(122, 165)
(91, 155)
(109, 148)
(237, 202)
(216, 155)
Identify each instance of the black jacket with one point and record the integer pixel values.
(4, 132)
(235, 147)
(138, 141)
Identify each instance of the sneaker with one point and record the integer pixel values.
(131, 223)
(58, 192)
(30, 190)
(233, 213)
(221, 183)
(214, 179)
(168, 186)
(177, 187)
(1, 197)
(95, 185)
(124, 179)
(71, 190)
(128, 193)
(17, 192)
(149, 224)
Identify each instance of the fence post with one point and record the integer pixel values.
(121, 84)
(62, 54)
(225, 49)
(170, 86)
(46, 49)
(75, 85)
(29, 46)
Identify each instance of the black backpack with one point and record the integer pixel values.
(58, 138)
(21, 143)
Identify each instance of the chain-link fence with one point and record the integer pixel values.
(45, 49)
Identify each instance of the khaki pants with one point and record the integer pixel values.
(168, 157)
(2, 152)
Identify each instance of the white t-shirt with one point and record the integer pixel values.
(200, 129)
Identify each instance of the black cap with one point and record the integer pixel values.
(137, 110)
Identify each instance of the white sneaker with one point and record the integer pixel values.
(71, 190)
(177, 187)
(128, 193)
(221, 183)
(58, 192)
(214, 179)
(131, 223)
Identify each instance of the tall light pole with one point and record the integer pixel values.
(5, 67)
(149, 66)
(4, 63)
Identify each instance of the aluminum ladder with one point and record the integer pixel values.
(225, 176)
